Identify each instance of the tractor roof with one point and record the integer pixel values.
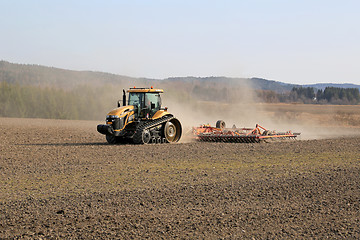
(145, 90)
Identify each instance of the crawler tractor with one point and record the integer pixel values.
(141, 120)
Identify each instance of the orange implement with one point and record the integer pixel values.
(207, 133)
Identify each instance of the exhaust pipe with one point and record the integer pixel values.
(124, 98)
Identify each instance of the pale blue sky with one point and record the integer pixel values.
(291, 41)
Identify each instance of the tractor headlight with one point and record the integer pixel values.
(116, 121)
(112, 116)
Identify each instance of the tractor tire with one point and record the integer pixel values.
(172, 130)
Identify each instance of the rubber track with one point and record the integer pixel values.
(138, 134)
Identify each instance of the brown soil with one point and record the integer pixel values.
(59, 179)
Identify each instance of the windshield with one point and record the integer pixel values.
(135, 98)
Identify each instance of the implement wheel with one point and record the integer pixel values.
(172, 130)
(220, 124)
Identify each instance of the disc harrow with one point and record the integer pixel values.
(207, 133)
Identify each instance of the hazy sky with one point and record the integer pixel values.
(291, 41)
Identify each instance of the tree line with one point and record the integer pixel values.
(308, 95)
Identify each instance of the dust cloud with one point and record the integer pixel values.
(245, 110)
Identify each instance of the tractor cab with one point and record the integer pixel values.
(146, 101)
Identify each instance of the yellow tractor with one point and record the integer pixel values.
(141, 120)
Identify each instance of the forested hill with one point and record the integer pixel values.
(221, 82)
(36, 75)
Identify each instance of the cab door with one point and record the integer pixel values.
(152, 103)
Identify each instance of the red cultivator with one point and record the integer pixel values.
(207, 133)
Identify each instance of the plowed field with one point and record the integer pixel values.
(60, 180)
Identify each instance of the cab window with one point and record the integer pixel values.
(154, 99)
(135, 99)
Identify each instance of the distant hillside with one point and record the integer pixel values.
(36, 75)
(263, 84)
